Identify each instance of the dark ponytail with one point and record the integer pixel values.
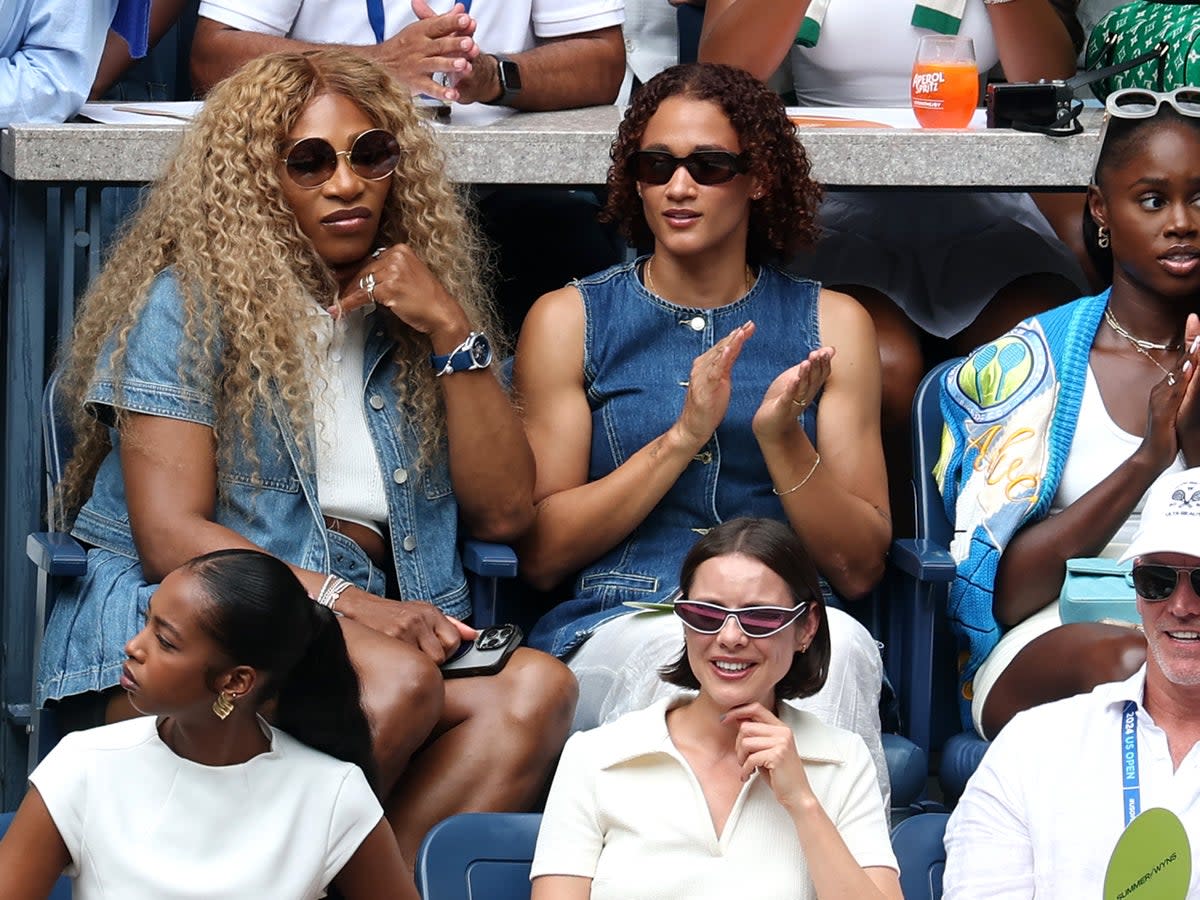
(261, 616)
(319, 703)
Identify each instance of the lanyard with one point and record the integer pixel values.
(375, 17)
(1130, 778)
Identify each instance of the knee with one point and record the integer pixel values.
(403, 695)
(546, 692)
(1113, 656)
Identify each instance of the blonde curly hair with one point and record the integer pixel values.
(247, 273)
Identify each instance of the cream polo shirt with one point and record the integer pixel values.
(627, 811)
(1042, 813)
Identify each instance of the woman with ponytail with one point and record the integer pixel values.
(200, 796)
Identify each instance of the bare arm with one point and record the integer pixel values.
(577, 521)
(32, 854)
(561, 887)
(755, 35)
(435, 43)
(170, 473)
(491, 465)
(377, 870)
(560, 73)
(1033, 565)
(841, 511)
(1032, 40)
(116, 58)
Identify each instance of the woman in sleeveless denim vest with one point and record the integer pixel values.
(253, 368)
(689, 387)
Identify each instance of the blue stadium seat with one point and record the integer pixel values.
(62, 887)
(478, 856)
(922, 664)
(917, 843)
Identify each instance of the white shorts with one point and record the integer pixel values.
(1013, 642)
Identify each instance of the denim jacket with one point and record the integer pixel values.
(638, 353)
(273, 501)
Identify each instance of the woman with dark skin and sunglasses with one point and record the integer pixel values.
(702, 795)
(200, 796)
(234, 385)
(1057, 429)
(697, 384)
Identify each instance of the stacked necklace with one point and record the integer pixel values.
(650, 281)
(1141, 346)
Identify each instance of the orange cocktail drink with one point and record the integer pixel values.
(945, 82)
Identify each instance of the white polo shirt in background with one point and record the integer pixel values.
(1042, 814)
(627, 811)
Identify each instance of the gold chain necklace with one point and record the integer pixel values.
(1141, 346)
(650, 280)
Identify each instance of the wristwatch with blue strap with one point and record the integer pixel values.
(473, 353)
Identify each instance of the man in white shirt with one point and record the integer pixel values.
(1043, 813)
(526, 54)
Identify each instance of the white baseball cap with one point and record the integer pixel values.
(1171, 517)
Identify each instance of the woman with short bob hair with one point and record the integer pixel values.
(778, 549)
(701, 795)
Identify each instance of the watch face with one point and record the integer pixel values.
(510, 76)
(481, 351)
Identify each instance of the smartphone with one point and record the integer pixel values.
(486, 655)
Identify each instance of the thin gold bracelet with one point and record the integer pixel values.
(802, 482)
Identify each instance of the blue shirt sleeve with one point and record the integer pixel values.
(49, 64)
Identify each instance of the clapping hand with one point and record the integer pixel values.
(709, 387)
(1187, 419)
(790, 394)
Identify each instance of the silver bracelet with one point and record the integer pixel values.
(995, 2)
(330, 591)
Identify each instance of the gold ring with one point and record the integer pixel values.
(800, 403)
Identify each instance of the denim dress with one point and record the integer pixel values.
(638, 354)
(269, 497)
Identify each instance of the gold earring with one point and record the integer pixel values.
(222, 706)
(1102, 237)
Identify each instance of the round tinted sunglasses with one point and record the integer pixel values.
(312, 161)
(755, 621)
(704, 166)
(1158, 582)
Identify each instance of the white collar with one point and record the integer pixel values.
(644, 733)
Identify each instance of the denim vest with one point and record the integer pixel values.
(273, 501)
(638, 354)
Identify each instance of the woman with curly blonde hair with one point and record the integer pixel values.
(289, 350)
(635, 456)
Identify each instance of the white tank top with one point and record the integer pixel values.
(349, 484)
(866, 50)
(1099, 446)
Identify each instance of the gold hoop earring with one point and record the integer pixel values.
(222, 706)
(1102, 240)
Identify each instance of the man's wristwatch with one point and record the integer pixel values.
(473, 353)
(508, 73)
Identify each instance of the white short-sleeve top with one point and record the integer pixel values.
(626, 811)
(866, 50)
(142, 823)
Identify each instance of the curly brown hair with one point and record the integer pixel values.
(783, 221)
(247, 273)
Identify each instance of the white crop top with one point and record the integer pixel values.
(349, 484)
(1099, 446)
(866, 50)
